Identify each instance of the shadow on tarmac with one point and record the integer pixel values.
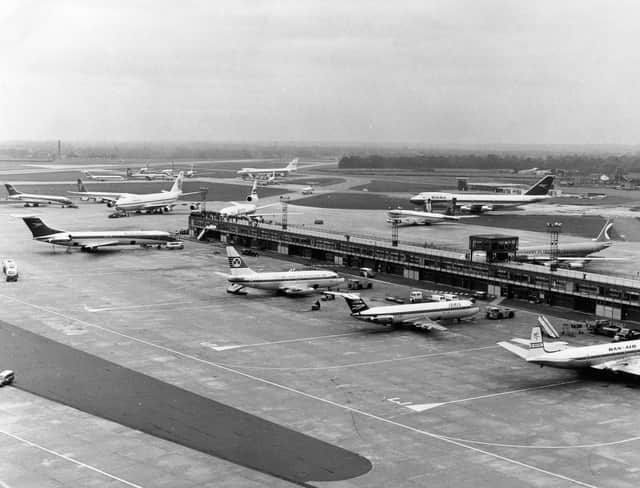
(102, 388)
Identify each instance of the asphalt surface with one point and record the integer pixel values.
(105, 389)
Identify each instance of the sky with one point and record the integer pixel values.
(430, 72)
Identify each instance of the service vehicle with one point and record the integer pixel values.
(6, 377)
(249, 252)
(356, 284)
(603, 327)
(497, 312)
(627, 335)
(175, 245)
(10, 269)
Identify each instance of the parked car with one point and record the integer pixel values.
(6, 377)
(248, 252)
(10, 269)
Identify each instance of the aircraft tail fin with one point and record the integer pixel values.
(11, 190)
(253, 196)
(535, 346)
(237, 266)
(542, 187)
(293, 165)
(38, 228)
(355, 302)
(177, 185)
(604, 235)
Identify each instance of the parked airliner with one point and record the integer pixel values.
(623, 357)
(572, 255)
(422, 315)
(92, 240)
(292, 167)
(154, 202)
(417, 217)
(31, 199)
(289, 282)
(246, 209)
(91, 176)
(484, 202)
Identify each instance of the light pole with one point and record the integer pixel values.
(203, 194)
(284, 201)
(554, 229)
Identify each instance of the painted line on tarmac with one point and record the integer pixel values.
(326, 401)
(428, 406)
(363, 363)
(218, 348)
(132, 307)
(70, 459)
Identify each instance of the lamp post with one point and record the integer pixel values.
(284, 201)
(203, 194)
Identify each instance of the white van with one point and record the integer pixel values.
(10, 269)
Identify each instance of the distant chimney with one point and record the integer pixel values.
(59, 150)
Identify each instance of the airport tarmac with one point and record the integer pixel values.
(425, 409)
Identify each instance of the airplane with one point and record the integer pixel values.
(617, 357)
(484, 202)
(144, 173)
(292, 167)
(291, 282)
(534, 171)
(30, 199)
(92, 240)
(247, 210)
(91, 176)
(421, 315)
(308, 190)
(573, 255)
(417, 217)
(99, 196)
(153, 202)
(271, 180)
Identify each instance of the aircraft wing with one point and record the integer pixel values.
(104, 195)
(190, 193)
(624, 365)
(425, 324)
(97, 244)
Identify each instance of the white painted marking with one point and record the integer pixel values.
(428, 406)
(70, 459)
(311, 396)
(397, 401)
(132, 307)
(364, 363)
(216, 347)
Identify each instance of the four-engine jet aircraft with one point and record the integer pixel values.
(422, 315)
(484, 202)
(292, 167)
(30, 199)
(91, 176)
(154, 202)
(290, 282)
(623, 357)
(573, 255)
(92, 240)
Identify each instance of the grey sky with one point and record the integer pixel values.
(436, 72)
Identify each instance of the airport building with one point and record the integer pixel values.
(606, 296)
